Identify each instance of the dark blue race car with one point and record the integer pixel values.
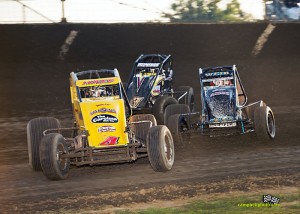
(224, 109)
(150, 88)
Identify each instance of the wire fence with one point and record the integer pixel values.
(113, 11)
(95, 11)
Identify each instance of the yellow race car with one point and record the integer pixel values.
(104, 130)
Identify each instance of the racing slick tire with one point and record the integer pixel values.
(264, 123)
(35, 129)
(190, 99)
(160, 148)
(177, 125)
(52, 147)
(175, 109)
(141, 129)
(159, 107)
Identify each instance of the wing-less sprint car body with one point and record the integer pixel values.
(150, 88)
(224, 108)
(104, 130)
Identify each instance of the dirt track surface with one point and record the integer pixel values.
(34, 83)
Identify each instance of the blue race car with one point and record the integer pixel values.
(224, 109)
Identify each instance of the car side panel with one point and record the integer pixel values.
(106, 122)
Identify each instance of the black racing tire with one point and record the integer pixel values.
(190, 99)
(175, 109)
(35, 129)
(264, 123)
(177, 125)
(52, 146)
(159, 107)
(160, 148)
(250, 108)
(141, 129)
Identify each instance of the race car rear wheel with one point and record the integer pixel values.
(141, 129)
(188, 99)
(160, 148)
(35, 129)
(175, 109)
(177, 125)
(52, 147)
(264, 123)
(159, 107)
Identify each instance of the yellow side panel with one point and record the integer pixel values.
(106, 122)
(157, 87)
(78, 113)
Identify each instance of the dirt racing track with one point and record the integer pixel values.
(35, 61)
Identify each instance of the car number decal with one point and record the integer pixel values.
(110, 141)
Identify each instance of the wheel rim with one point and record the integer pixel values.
(168, 149)
(62, 162)
(271, 124)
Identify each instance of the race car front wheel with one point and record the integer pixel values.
(264, 123)
(35, 129)
(175, 109)
(178, 126)
(160, 148)
(54, 166)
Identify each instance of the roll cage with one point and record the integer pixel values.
(147, 70)
(117, 90)
(150, 63)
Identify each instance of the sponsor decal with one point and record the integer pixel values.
(103, 110)
(221, 82)
(102, 104)
(106, 129)
(148, 65)
(156, 89)
(222, 125)
(110, 141)
(98, 81)
(104, 118)
(219, 93)
(221, 73)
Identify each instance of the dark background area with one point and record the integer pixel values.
(32, 79)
